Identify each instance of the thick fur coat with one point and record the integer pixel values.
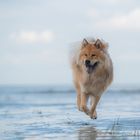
(92, 73)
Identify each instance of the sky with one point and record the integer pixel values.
(36, 36)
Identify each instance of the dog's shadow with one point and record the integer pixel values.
(87, 133)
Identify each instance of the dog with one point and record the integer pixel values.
(92, 70)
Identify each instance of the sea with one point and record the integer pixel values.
(50, 113)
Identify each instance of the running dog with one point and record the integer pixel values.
(92, 73)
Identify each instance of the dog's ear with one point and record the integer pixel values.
(85, 42)
(98, 44)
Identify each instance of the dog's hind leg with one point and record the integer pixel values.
(93, 114)
(78, 91)
(92, 100)
(84, 99)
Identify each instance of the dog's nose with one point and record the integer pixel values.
(87, 62)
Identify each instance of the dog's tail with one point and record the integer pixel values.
(74, 53)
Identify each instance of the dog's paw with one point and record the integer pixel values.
(85, 109)
(79, 108)
(94, 115)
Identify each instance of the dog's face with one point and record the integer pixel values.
(92, 55)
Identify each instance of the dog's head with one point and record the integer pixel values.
(92, 54)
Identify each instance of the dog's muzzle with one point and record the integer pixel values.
(90, 67)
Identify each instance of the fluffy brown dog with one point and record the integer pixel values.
(92, 73)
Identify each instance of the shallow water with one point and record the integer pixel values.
(39, 113)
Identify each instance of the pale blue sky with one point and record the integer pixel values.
(36, 37)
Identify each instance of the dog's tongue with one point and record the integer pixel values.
(89, 69)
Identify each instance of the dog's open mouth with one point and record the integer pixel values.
(90, 68)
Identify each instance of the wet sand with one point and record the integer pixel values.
(54, 116)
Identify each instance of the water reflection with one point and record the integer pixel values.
(87, 133)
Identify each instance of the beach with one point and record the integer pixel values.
(50, 113)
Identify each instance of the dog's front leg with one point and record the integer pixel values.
(93, 113)
(78, 99)
(84, 99)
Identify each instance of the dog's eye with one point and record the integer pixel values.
(85, 54)
(93, 55)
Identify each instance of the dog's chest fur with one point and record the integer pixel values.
(94, 84)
